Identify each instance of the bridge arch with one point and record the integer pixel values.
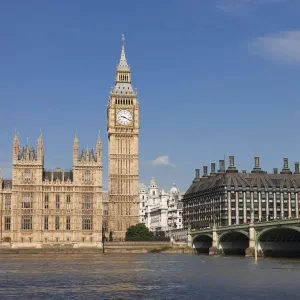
(237, 230)
(234, 242)
(202, 242)
(280, 241)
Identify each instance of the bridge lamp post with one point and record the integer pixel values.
(255, 246)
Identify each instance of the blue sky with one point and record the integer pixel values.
(214, 78)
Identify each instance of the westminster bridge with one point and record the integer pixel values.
(269, 238)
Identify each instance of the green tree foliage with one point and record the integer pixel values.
(139, 232)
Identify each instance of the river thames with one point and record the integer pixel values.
(146, 276)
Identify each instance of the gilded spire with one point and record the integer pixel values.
(123, 66)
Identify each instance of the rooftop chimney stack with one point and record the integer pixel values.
(285, 163)
(275, 171)
(244, 171)
(212, 169)
(256, 159)
(256, 168)
(221, 166)
(286, 169)
(205, 171)
(297, 171)
(231, 168)
(231, 161)
(197, 174)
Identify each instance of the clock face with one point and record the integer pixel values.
(124, 117)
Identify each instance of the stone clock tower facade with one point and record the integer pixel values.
(123, 124)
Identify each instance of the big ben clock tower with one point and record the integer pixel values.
(123, 135)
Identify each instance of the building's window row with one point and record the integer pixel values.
(235, 207)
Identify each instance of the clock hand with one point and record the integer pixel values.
(126, 118)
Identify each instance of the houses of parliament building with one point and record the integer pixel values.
(41, 208)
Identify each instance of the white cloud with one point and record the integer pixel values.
(283, 46)
(162, 161)
(234, 6)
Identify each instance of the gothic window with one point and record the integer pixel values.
(87, 177)
(56, 223)
(27, 175)
(68, 202)
(46, 223)
(87, 223)
(105, 226)
(26, 223)
(7, 203)
(87, 202)
(7, 223)
(26, 201)
(57, 202)
(105, 209)
(68, 223)
(46, 202)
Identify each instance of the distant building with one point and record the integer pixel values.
(229, 197)
(160, 210)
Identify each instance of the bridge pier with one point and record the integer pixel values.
(214, 249)
(250, 251)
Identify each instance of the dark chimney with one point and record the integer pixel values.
(231, 168)
(286, 169)
(275, 171)
(212, 168)
(197, 173)
(244, 171)
(256, 168)
(221, 166)
(297, 171)
(205, 171)
(256, 159)
(231, 161)
(285, 163)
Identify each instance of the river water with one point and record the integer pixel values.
(146, 276)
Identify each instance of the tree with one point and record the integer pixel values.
(139, 232)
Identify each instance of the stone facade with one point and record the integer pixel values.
(123, 124)
(160, 210)
(41, 208)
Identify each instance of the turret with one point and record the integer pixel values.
(1, 182)
(16, 149)
(40, 150)
(75, 149)
(99, 149)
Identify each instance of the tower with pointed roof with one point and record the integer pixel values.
(123, 124)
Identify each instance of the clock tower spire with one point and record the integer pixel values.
(123, 134)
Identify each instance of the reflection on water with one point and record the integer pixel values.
(146, 276)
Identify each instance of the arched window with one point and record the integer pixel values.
(87, 178)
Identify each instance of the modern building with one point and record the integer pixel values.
(160, 210)
(41, 208)
(229, 197)
(123, 123)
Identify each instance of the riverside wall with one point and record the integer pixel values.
(109, 247)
